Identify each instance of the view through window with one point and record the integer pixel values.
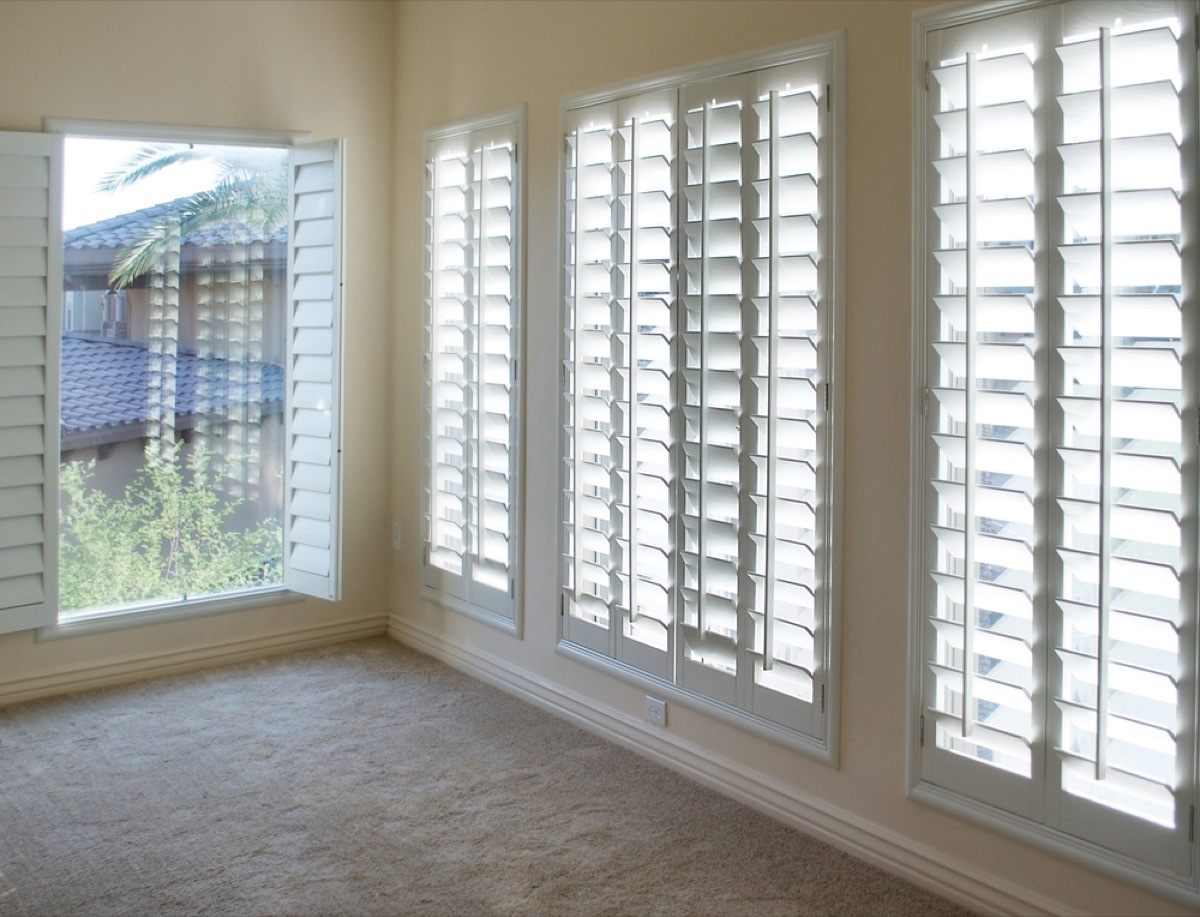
(172, 371)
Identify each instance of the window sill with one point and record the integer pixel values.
(99, 622)
(809, 746)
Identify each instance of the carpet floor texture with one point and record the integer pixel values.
(366, 778)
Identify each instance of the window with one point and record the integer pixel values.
(1055, 586)
(700, 311)
(472, 344)
(34, 304)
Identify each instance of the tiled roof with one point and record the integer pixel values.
(119, 231)
(106, 384)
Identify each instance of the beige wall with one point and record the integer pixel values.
(462, 59)
(324, 67)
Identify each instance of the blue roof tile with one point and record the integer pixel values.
(106, 383)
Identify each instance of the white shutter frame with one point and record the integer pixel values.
(1102, 491)
(773, 172)
(313, 425)
(30, 281)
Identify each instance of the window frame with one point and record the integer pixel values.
(55, 626)
(1023, 828)
(831, 46)
(445, 589)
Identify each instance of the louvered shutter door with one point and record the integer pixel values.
(1120, 595)
(619, 380)
(30, 280)
(754, 297)
(980, 405)
(471, 322)
(312, 518)
(1055, 677)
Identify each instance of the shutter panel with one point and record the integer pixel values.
(757, 302)
(312, 511)
(30, 278)
(620, 379)
(1061, 486)
(981, 423)
(471, 330)
(1119, 538)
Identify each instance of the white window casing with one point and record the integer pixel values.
(699, 433)
(1055, 462)
(30, 296)
(470, 381)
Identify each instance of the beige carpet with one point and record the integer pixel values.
(369, 779)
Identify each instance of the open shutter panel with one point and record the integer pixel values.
(312, 518)
(30, 280)
(470, 348)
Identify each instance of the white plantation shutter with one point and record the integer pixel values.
(1060, 492)
(470, 376)
(30, 278)
(698, 314)
(620, 379)
(312, 518)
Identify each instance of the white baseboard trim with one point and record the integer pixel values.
(927, 868)
(79, 678)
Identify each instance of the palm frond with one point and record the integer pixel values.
(144, 254)
(251, 193)
(146, 161)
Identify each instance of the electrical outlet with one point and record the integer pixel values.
(395, 536)
(656, 710)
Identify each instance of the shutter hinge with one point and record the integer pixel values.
(828, 97)
(562, 605)
(425, 555)
(512, 588)
(1198, 425)
(822, 698)
(925, 403)
(827, 387)
(1191, 824)
(1196, 30)
(927, 76)
(514, 374)
(563, 375)
(922, 730)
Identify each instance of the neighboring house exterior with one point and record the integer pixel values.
(195, 356)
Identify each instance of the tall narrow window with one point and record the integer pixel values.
(1058, 514)
(472, 340)
(700, 310)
